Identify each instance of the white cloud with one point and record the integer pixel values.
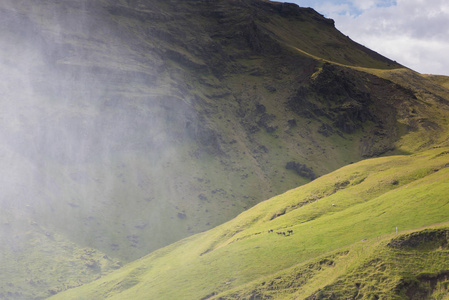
(413, 32)
(364, 4)
(334, 9)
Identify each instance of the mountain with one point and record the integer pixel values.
(130, 125)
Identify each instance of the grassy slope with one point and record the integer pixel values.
(440, 79)
(370, 198)
(162, 184)
(248, 178)
(37, 262)
(429, 115)
(412, 265)
(323, 41)
(163, 287)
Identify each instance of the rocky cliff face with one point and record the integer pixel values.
(142, 122)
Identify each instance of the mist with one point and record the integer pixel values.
(120, 134)
(85, 143)
(105, 142)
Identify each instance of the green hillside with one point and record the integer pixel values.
(348, 217)
(136, 131)
(412, 265)
(37, 263)
(130, 125)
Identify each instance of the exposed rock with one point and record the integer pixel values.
(292, 123)
(182, 215)
(270, 88)
(301, 169)
(428, 239)
(326, 130)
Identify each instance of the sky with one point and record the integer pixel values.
(415, 33)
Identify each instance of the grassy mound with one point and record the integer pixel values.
(370, 269)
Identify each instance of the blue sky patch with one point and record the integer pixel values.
(340, 7)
